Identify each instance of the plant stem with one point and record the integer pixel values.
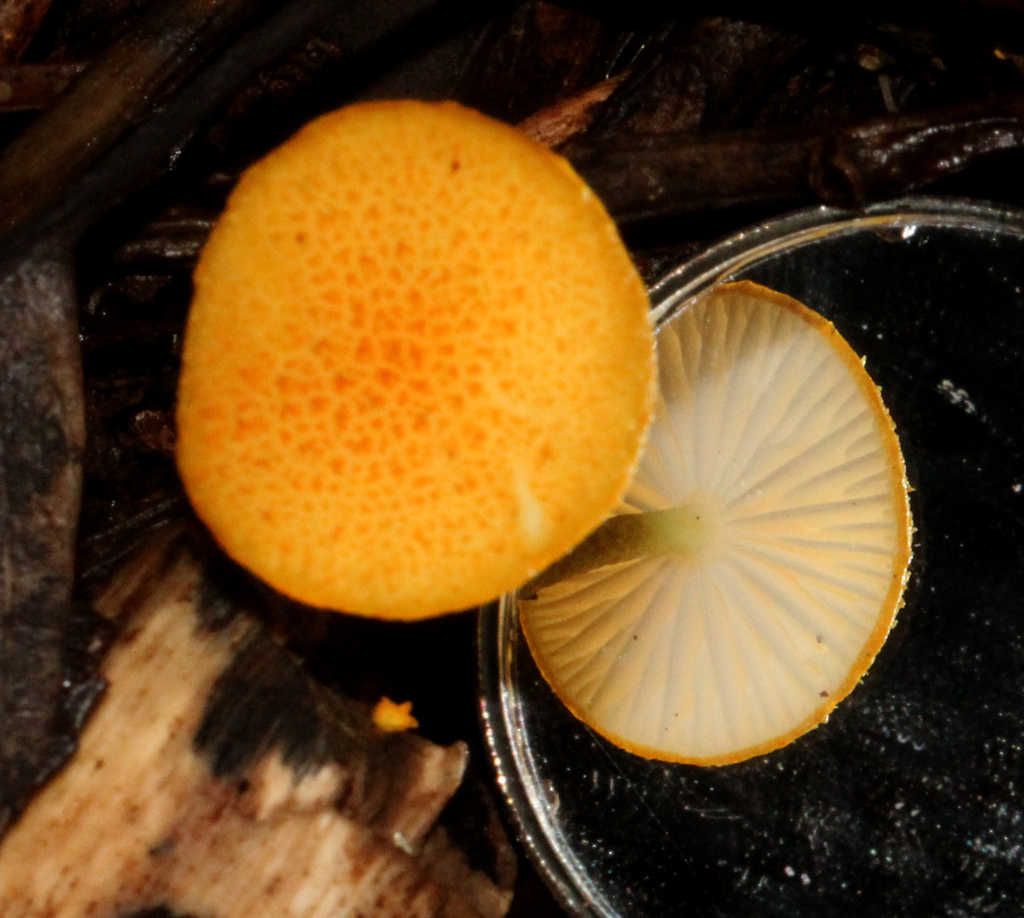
(844, 164)
(141, 68)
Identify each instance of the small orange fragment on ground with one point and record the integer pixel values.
(418, 366)
(394, 718)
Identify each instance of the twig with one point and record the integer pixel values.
(143, 66)
(849, 164)
(26, 87)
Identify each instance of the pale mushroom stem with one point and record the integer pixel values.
(675, 531)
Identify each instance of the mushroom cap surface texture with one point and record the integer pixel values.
(418, 365)
(774, 446)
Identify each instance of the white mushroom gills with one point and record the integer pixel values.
(762, 550)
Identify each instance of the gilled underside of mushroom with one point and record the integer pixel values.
(216, 779)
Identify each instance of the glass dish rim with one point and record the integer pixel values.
(573, 890)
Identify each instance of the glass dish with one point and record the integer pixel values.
(910, 800)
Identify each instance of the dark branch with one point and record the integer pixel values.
(848, 164)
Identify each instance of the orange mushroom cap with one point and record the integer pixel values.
(418, 366)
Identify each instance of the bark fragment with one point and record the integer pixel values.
(556, 123)
(197, 790)
(41, 441)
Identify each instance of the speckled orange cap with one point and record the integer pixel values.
(418, 366)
